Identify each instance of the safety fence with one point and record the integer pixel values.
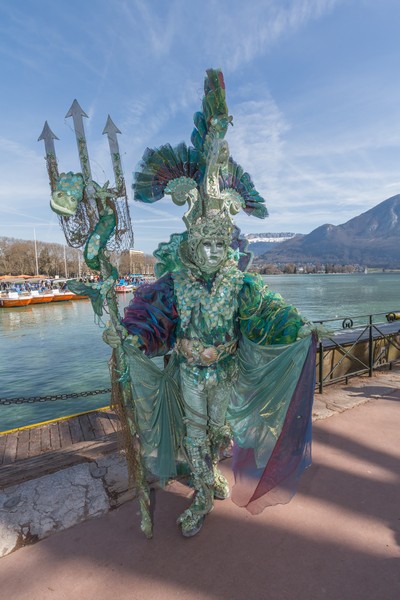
(357, 345)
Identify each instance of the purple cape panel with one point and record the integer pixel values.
(152, 316)
(276, 483)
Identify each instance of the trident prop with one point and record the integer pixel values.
(97, 217)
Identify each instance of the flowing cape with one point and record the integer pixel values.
(270, 415)
(159, 411)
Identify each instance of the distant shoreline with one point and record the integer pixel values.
(369, 272)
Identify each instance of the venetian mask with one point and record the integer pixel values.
(210, 254)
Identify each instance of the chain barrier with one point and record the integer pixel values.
(32, 399)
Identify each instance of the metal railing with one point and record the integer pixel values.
(357, 345)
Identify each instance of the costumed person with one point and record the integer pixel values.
(241, 361)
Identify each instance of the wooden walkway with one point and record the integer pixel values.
(42, 449)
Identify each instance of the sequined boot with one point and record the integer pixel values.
(220, 441)
(199, 460)
(221, 485)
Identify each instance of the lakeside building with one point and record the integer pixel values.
(140, 263)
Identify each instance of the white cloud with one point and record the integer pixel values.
(160, 28)
(259, 27)
(257, 140)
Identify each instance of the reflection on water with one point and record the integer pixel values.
(51, 349)
(44, 342)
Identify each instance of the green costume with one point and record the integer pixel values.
(239, 367)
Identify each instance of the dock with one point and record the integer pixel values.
(42, 449)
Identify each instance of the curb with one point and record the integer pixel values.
(34, 509)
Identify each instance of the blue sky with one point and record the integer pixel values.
(313, 87)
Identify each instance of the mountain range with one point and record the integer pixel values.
(370, 239)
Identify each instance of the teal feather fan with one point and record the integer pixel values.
(237, 179)
(161, 166)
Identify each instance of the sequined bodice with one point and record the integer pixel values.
(208, 312)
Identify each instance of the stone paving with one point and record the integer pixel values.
(338, 538)
(338, 398)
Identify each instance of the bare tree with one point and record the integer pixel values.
(17, 257)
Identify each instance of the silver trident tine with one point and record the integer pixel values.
(48, 137)
(77, 113)
(111, 130)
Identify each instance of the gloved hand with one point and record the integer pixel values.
(112, 337)
(115, 336)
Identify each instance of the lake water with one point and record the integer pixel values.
(52, 349)
(330, 296)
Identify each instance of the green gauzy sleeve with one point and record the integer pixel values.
(265, 317)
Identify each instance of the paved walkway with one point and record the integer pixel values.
(338, 539)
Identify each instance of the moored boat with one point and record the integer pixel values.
(41, 297)
(62, 295)
(13, 299)
(123, 289)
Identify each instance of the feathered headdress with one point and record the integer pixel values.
(180, 170)
(203, 175)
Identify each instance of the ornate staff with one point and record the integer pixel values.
(97, 218)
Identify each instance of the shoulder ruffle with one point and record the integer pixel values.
(152, 316)
(265, 317)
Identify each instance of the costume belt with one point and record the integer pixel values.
(198, 354)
